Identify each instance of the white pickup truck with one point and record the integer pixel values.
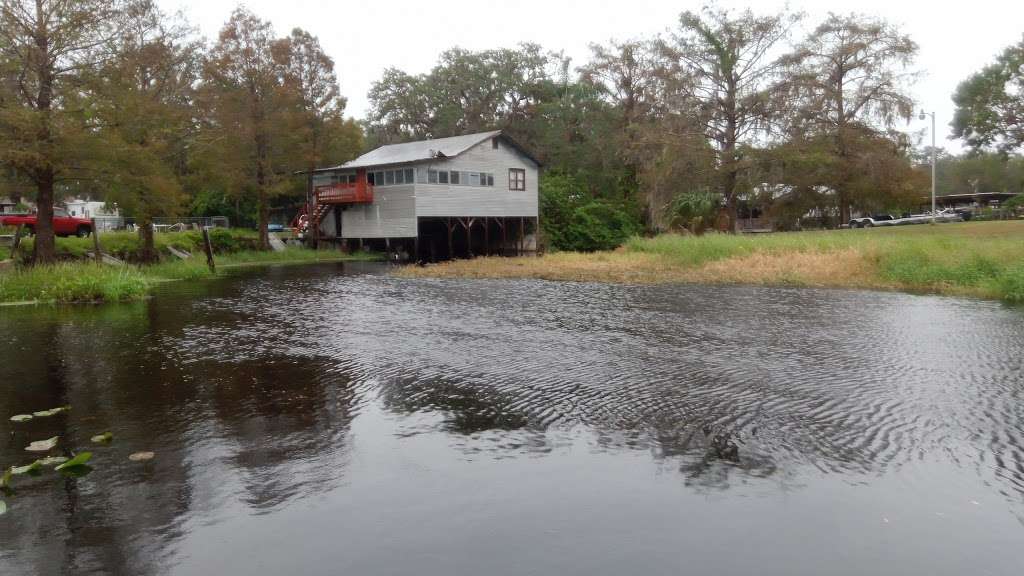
(947, 215)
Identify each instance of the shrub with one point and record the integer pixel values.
(693, 210)
(598, 226)
(574, 220)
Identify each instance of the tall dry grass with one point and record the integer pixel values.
(973, 258)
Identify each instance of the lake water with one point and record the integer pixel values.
(334, 420)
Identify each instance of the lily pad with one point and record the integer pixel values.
(78, 460)
(141, 456)
(51, 411)
(52, 460)
(26, 469)
(42, 445)
(77, 471)
(3, 508)
(21, 418)
(104, 438)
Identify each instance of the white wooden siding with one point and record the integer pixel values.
(463, 200)
(391, 215)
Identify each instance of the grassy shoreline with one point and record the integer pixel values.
(80, 280)
(978, 259)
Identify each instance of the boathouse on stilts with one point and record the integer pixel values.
(430, 200)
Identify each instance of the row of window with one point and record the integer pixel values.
(392, 177)
(461, 178)
(516, 178)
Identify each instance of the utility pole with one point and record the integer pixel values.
(922, 117)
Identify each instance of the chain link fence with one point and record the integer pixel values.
(108, 223)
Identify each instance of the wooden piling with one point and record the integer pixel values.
(504, 238)
(451, 252)
(522, 237)
(208, 246)
(96, 243)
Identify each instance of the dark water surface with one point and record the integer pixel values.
(331, 420)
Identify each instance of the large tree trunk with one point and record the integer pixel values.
(264, 209)
(261, 174)
(44, 251)
(729, 192)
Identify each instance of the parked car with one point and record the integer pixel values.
(275, 227)
(63, 225)
(947, 215)
(873, 220)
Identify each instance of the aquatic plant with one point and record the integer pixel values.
(43, 445)
(78, 460)
(104, 438)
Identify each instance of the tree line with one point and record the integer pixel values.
(726, 115)
(730, 109)
(122, 101)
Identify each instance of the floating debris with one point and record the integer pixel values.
(79, 459)
(141, 456)
(3, 508)
(21, 418)
(18, 470)
(5, 479)
(104, 438)
(42, 445)
(51, 412)
(51, 460)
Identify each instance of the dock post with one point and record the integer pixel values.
(522, 237)
(504, 238)
(451, 253)
(208, 246)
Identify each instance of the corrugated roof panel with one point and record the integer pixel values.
(417, 151)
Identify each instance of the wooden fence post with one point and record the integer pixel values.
(17, 241)
(96, 242)
(208, 246)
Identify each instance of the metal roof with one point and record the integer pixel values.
(423, 150)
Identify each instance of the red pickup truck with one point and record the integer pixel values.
(63, 225)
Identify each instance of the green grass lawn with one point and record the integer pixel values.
(78, 279)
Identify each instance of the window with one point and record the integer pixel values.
(442, 177)
(474, 179)
(432, 176)
(371, 177)
(389, 177)
(455, 177)
(351, 178)
(409, 175)
(490, 179)
(516, 179)
(399, 177)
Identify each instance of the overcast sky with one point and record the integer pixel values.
(365, 37)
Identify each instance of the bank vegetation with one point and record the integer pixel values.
(76, 278)
(982, 259)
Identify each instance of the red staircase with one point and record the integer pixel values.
(331, 195)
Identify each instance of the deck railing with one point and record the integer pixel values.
(345, 193)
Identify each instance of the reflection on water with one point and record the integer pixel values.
(332, 420)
